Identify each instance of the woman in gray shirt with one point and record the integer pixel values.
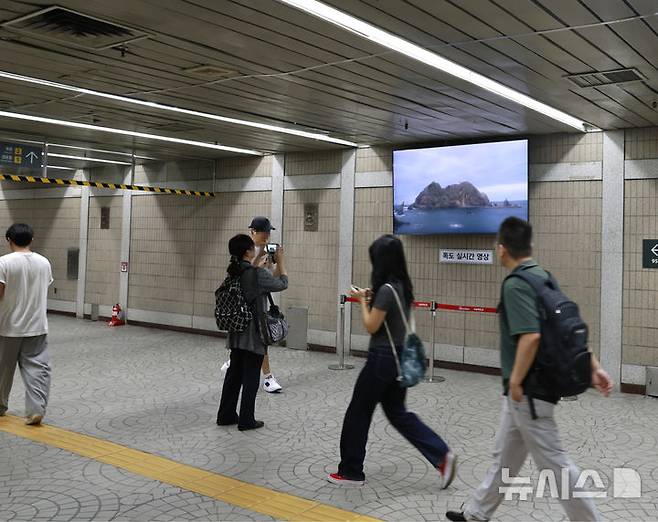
(247, 347)
(378, 381)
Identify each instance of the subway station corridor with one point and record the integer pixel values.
(157, 391)
(294, 180)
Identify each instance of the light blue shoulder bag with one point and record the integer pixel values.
(412, 362)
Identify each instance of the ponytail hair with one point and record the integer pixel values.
(238, 246)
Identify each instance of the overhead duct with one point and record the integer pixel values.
(69, 27)
(596, 79)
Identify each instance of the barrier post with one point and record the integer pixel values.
(432, 377)
(340, 338)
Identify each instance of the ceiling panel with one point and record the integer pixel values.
(295, 70)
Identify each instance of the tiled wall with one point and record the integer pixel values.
(640, 312)
(179, 252)
(218, 220)
(566, 148)
(104, 252)
(641, 143)
(374, 159)
(56, 224)
(567, 221)
(312, 257)
(306, 163)
(194, 174)
(241, 167)
(162, 257)
(179, 248)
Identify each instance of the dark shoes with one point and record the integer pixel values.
(235, 419)
(456, 516)
(254, 426)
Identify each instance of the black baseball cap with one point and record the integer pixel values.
(261, 224)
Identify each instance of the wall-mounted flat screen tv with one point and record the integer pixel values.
(461, 189)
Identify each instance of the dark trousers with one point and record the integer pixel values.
(243, 372)
(377, 384)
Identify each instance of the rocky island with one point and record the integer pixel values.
(461, 195)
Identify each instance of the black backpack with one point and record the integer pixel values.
(232, 313)
(563, 365)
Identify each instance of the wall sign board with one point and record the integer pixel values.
(19, 155)
(466, 257)
(311, 216)
(650, 253)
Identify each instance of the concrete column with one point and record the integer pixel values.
(346, 236)
(276, 214)
(126, 222)
(82, 258)
(612, 253)
(276, 211)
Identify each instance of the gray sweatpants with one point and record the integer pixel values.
(33, 358)
(517, 436)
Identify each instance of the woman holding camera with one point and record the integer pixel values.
(378, 381)
(247, 348)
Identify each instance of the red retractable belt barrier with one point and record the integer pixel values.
(440, 306)
(462, 308)
(431, 306)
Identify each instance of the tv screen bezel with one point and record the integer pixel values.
(457, 144)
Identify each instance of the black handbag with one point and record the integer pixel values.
(274, 327)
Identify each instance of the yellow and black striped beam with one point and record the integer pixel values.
(101, 185)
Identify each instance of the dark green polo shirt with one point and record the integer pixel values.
(520, 316)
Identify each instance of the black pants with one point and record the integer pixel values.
(377, 383)
(243, 372)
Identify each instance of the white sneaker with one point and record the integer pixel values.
(225, 366)
(447, 469)
(271, 385)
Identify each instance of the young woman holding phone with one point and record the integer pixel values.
(378, 381)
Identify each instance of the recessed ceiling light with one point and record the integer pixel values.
(57, 167)
(60, 146)
(110, 130)
(180, 110)
(402, 46)
(83, 158)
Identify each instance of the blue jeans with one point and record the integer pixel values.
(377, 384)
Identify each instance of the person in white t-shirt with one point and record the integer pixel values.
(24, 280)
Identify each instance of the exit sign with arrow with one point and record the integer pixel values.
(18, 155)
(650, 253)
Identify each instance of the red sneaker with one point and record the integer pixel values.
(447, 469)
(336, 478)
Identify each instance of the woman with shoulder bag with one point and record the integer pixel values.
(247, 347)
(378, 382)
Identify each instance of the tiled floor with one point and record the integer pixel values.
(157, 391)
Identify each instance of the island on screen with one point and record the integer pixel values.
(461, 189)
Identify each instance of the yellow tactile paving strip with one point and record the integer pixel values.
(235, 492)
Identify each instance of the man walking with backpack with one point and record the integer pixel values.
(534, 360)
